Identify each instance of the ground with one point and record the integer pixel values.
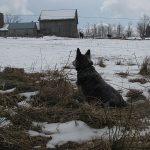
(46, 92)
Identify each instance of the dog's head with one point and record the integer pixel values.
(82, 61)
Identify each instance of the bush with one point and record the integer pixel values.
(145, 68)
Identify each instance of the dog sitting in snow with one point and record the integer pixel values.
(91, 83)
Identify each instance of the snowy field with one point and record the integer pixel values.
(46, 52)
(53, 52)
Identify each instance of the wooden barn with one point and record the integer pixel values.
(28, 29)
(4, 30)
(1, 20)
(59, 22)
(3, 27)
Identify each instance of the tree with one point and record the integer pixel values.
(142, 26)
(119, 30)
(129, 30)
(87, 31)
(148, 31)
(109, 29)
(12, 18)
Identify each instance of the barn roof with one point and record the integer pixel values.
(58, 14)
(5, 27)
(27, 25)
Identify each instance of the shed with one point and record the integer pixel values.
(4, 30)
(59, 22)
(28, 29)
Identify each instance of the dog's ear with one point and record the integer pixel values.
(78, 52)
(88, 53)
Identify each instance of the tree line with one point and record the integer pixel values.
(101, 30)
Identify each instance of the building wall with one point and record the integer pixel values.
(22, 32)
(64, 28)
(1, 20)
(3, 33)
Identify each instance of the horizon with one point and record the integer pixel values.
(89, 12)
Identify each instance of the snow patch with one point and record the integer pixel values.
(7, 91)
(28, 96)
(4, 122)
(75, 131)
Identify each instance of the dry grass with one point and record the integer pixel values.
(59, 101)
(145, 68)
(140, 80)
(123, 74)
(13, 138)
(135, 95)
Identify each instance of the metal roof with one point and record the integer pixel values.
(27, 25)
(58, 14)
(5, 27)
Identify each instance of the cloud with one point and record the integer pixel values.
(125, 8)
(15, 7)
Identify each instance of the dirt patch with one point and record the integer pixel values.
(140, 80)
(123, 74)
(135, 95)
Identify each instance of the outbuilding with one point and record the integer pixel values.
(28, 29)
(59, 23)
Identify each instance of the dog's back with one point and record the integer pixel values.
(92, 84)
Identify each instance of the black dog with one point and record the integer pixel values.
(91, 83)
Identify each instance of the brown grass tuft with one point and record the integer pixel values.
(145, 68)
(140, 80)
(135, 95)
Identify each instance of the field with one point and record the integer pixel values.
(41, 107)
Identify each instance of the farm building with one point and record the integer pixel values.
(4, 30)
(59, 22)
(28, 29)
(1, 20)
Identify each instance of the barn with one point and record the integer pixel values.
(28, 29)
(59, 22)
(4, 30)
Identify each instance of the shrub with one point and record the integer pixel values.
(145, 68)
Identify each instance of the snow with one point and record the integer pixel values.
(7, 91)
(47, 52)
(75, 131)
(28, 96)
(57, 14)
(24, 104)
(37, 54)
(5, 27)
(34, 133)
(4, 122)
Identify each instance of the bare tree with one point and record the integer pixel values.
(142, 26)
(148, 31)
(129, 30)
(109, 29)
(87, 31)
(119, 30)
(12, 18)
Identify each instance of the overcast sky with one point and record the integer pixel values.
(86, 8)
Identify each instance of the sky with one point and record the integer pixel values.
(89, 11)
